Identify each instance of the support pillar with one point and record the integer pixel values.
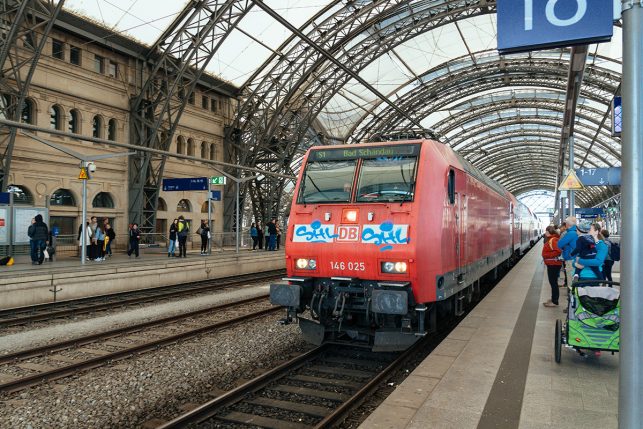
(631, 350)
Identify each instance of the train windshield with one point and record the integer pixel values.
(327, 182)
(387, 179)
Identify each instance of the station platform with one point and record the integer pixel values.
(25, 284)
(497, 369)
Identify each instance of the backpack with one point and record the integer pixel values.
(615, 251)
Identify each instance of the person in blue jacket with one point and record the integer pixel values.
(587, 273)
(567, 244)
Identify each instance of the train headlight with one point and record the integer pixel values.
(350, 215)
(306, 264)
(400, 267)
(394, 267)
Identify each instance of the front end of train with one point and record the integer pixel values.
(350, 251)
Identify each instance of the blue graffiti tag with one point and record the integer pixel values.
(387, 236)
(318, 234)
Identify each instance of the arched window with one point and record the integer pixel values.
(26, 116)
(204, 150)
(213, 152)
(62, 197)
(162, 205)
(7, 102)
(180, 145)
(111, 130)
(190, 147)
(103, 200)
(184, 206)
(97, 127)
(55, 117)
(74, 121)
(21, 195)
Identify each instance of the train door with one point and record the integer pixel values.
(511, 225)
(457, 184)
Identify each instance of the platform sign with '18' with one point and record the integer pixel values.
(526, 25)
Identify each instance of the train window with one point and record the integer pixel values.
(387, 179)
(327, 182)
(451, 187)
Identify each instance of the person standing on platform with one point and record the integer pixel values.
(100, 243)
(93, 245)
(39, 235)
(278, 237)
(260, 235)
(609, 259)
(32, 242)
(272, 232)
(110, 236)
(204, 232)
(134, 239)
(183, 229)
(567, 243)
(551, 257)
(588, 266)
(254, 234)
(173, 238)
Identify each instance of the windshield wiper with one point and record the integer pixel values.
(410, 191)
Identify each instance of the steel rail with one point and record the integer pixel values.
(211, 408)
(96, 362)
(211, 285)
(38, 351)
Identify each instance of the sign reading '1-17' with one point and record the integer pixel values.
(525, 25)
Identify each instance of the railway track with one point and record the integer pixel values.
(72, 308)
(314, 390)
(31, 367)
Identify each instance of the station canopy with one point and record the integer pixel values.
(435, 60)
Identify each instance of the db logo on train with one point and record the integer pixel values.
(348, 233)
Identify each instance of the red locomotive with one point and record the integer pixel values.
(386, 239)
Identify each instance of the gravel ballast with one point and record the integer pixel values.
(156, 385)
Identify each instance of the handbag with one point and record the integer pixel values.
(209, 235)
(45, 253)
(176, 243)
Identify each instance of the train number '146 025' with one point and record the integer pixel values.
(351, 266)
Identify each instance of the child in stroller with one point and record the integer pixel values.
(586, 249)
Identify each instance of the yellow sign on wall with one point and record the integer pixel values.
(571, 183)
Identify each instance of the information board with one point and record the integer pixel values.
(599, 176)
(364, 152)
(526, 25)
(4, 225)
(215, 195)
(22, 220)
(186, 184)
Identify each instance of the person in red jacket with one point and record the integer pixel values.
(551, 254)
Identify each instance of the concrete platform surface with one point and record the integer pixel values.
(24, 284)
(497, 369)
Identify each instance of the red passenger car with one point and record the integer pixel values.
(385, 239)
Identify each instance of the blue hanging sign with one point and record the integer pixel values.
(187, 184)
(215, 195)
(526, 25)
(599, 176)
(5, 197)
(590, 213)
(617, 116)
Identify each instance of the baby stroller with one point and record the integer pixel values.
(593, 318)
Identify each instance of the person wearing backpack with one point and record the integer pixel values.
(551, 257)
(613, 252)
(183, 231)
